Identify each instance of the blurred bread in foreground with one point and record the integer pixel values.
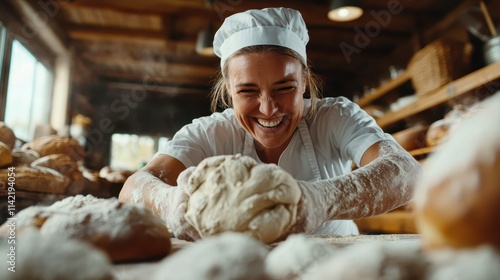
(458, 199)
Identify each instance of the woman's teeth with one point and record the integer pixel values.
(270, 124)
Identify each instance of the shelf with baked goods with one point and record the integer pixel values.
(456, 88)
(402, 220)
(384, 89)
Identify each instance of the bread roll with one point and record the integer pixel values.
(53, 144)
(114, 176)
(24, 157)
(61, 163)
(5, 155)
(458, 199)
(438, 132)
(7, 136)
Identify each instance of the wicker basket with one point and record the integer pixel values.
(438, 63)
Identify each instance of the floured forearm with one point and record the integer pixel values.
(380, 186)
(384, 184)
(144, 188)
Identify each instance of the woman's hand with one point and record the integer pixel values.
(176, 220)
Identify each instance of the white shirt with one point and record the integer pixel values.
(322, 147)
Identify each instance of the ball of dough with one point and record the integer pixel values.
(53, 257)
(458, 199)
(374, 260)
(227, 256)
(235, 193)
(474, 263)
(294, 257)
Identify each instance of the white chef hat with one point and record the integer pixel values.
(271, 26)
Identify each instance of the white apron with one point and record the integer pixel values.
(333, 227)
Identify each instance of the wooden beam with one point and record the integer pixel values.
(79, 32)
(168, 90)
(171, 79)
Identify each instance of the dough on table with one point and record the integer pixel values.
(294, 257)
(481, 262)
(374, 260)
(235, 193)
(228, 256)
(42, 257)
(124, 231)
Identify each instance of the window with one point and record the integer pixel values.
(3, 36)
(131, 151)
(29, 92)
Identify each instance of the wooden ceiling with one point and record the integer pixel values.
(124, 42)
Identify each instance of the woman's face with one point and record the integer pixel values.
(267, 94)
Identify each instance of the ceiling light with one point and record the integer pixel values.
(204, 43)
(345, 10)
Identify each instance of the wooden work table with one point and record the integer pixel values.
(137, 271)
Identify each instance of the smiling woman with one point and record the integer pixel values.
(274, 115)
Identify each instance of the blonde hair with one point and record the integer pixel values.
(220, 96)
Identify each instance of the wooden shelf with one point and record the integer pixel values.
(456, 88)
(422, 151)
(391, 85)
(398, 221)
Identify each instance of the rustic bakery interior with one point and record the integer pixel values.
(235, 139)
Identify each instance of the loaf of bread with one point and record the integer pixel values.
(123, 231)
(53, 144)
(37, 179)
(458, 199)
(61, 163)
(23, 157)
